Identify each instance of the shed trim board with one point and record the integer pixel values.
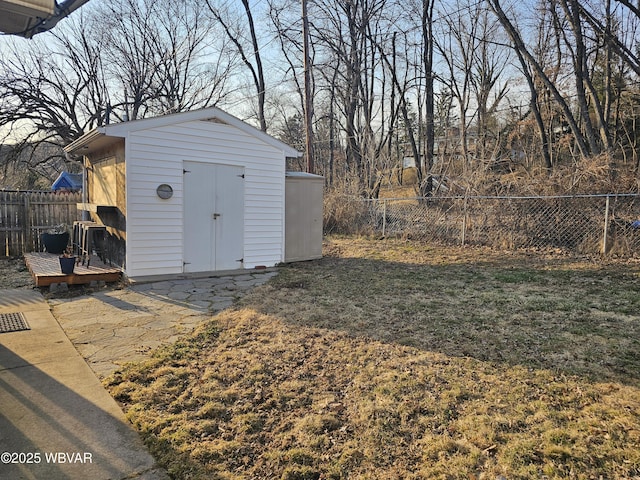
(156, 152)
(98, 137)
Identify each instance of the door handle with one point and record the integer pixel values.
(216, 215)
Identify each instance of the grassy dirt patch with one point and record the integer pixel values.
(14, 274)
(390, 359)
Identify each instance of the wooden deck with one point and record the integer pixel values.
(45, 270)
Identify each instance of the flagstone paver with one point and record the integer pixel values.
(112, 327)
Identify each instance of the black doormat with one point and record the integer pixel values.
(13, 322)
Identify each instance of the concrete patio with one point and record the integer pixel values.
(56, 420)
(115, 326)
(51, 400)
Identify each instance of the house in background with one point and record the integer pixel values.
(67, 182)
(191, 193)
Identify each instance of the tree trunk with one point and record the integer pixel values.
(519, 45)
(426, 180)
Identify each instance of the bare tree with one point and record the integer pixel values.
(342, 34)
(456, 41)
(520, 47)
(52, 92)
(130, 60)
(621, 42)
(157, 57)
(250, 54)
(488, 80)
(578, 50)
(401, 88)
(190, 72)
(424, 170)
(476, 58)
(133, 58)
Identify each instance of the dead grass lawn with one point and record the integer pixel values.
(14, 274)
(399, 360)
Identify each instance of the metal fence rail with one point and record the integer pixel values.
(25, 215)
(582, 224)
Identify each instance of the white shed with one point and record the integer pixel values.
(191, 192)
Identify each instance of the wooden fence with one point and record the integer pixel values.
(25, 215)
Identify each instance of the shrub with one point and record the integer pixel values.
(345, 214)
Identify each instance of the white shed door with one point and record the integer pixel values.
(213, 217)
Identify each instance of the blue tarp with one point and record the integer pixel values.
(71, 182)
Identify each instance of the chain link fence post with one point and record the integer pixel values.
(464, 221)
(605, 238)
(384, 218)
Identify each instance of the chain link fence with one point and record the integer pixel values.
(585, 224)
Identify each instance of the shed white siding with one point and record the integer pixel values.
(155, 227)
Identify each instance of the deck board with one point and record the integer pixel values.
(45, 270)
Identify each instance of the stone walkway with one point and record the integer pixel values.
(112, 327)
(52, 404)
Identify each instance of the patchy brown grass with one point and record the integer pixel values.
(390, 359)
(14, 274)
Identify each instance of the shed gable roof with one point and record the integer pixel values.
(96, 138)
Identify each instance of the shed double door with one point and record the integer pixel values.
(213, 217)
